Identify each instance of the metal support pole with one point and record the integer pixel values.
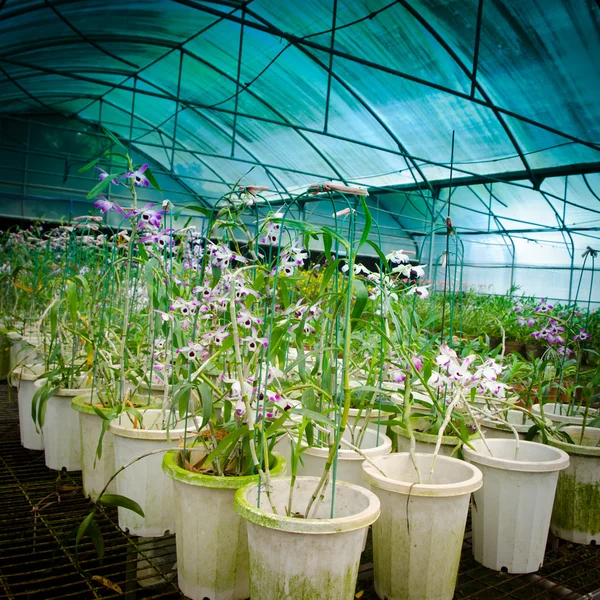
(432, 235)
(26, 169)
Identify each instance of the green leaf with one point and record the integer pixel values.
(115, 154)
(81, 280)
(283, 290)
(368, 222)
(328, 274)
(207, 403)
(216, 276)
(89, 165)
(227, 408)
(100, 187)
(317, 417)
(72, 301)
(101, 413)
(53, 321)
(382, 258)
(113, 137)
(122, 501)
(94, 532)
(362, 297)
(336, 236)
(225, 443)
(204, 211)
(83, 527)
(152, 179)
(327, 242)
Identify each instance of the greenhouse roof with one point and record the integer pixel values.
(408, 97)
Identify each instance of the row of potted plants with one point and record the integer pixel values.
(186, 376)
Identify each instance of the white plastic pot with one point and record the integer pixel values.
(144, 481)
(23, 378)
(425, 442)
(348, 461)
(576, 514)
(22, 351)
(519, 420)
(511, 512)
(212, 543)
(557, 413)
(305, 559)
(96, 471)
(62, 445)
(417, 541)
(376, 418)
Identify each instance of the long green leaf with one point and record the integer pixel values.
(94, 532)
(224, 444)
(113, 137)
(152, 179)
(72, 301)
(336, 236)
(204, 211)
(89, 165)
(122, 501)
(314, 416)
(368, 222)
(207, 404)
(381, 255)
(362, 297)
(83, 528)
(100, 187)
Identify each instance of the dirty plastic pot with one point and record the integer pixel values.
(558, 413)
(417, 541)
(212, 542)
(305, 559)
(576, 514)
(96, 471)
(511, 512)
(62, 444)
(144, 481)
(425, 442)
(23, 378)
(349, 461)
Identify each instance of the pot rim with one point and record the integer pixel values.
(429, 438)
(149, 434)
(257, 516)
(558, 463)
(171, 468)
(65, 392)
(348, 454)
(558, 417)
(433, 490)
(577, 449)
(25, 372)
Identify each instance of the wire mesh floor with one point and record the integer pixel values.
(41, 509)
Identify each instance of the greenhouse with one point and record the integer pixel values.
(299, 300)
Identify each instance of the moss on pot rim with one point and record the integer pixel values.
(171, 466)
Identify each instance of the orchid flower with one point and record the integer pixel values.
(138, 176)
(148, 215)
(398, 257)
(105, 205)
(103, 175)
(419, 290)
(582, 335)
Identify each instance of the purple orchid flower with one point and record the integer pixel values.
(582, 335)
(103, 175)
(148, 215)
(138, 176)
(163, 238)
(105, 205)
